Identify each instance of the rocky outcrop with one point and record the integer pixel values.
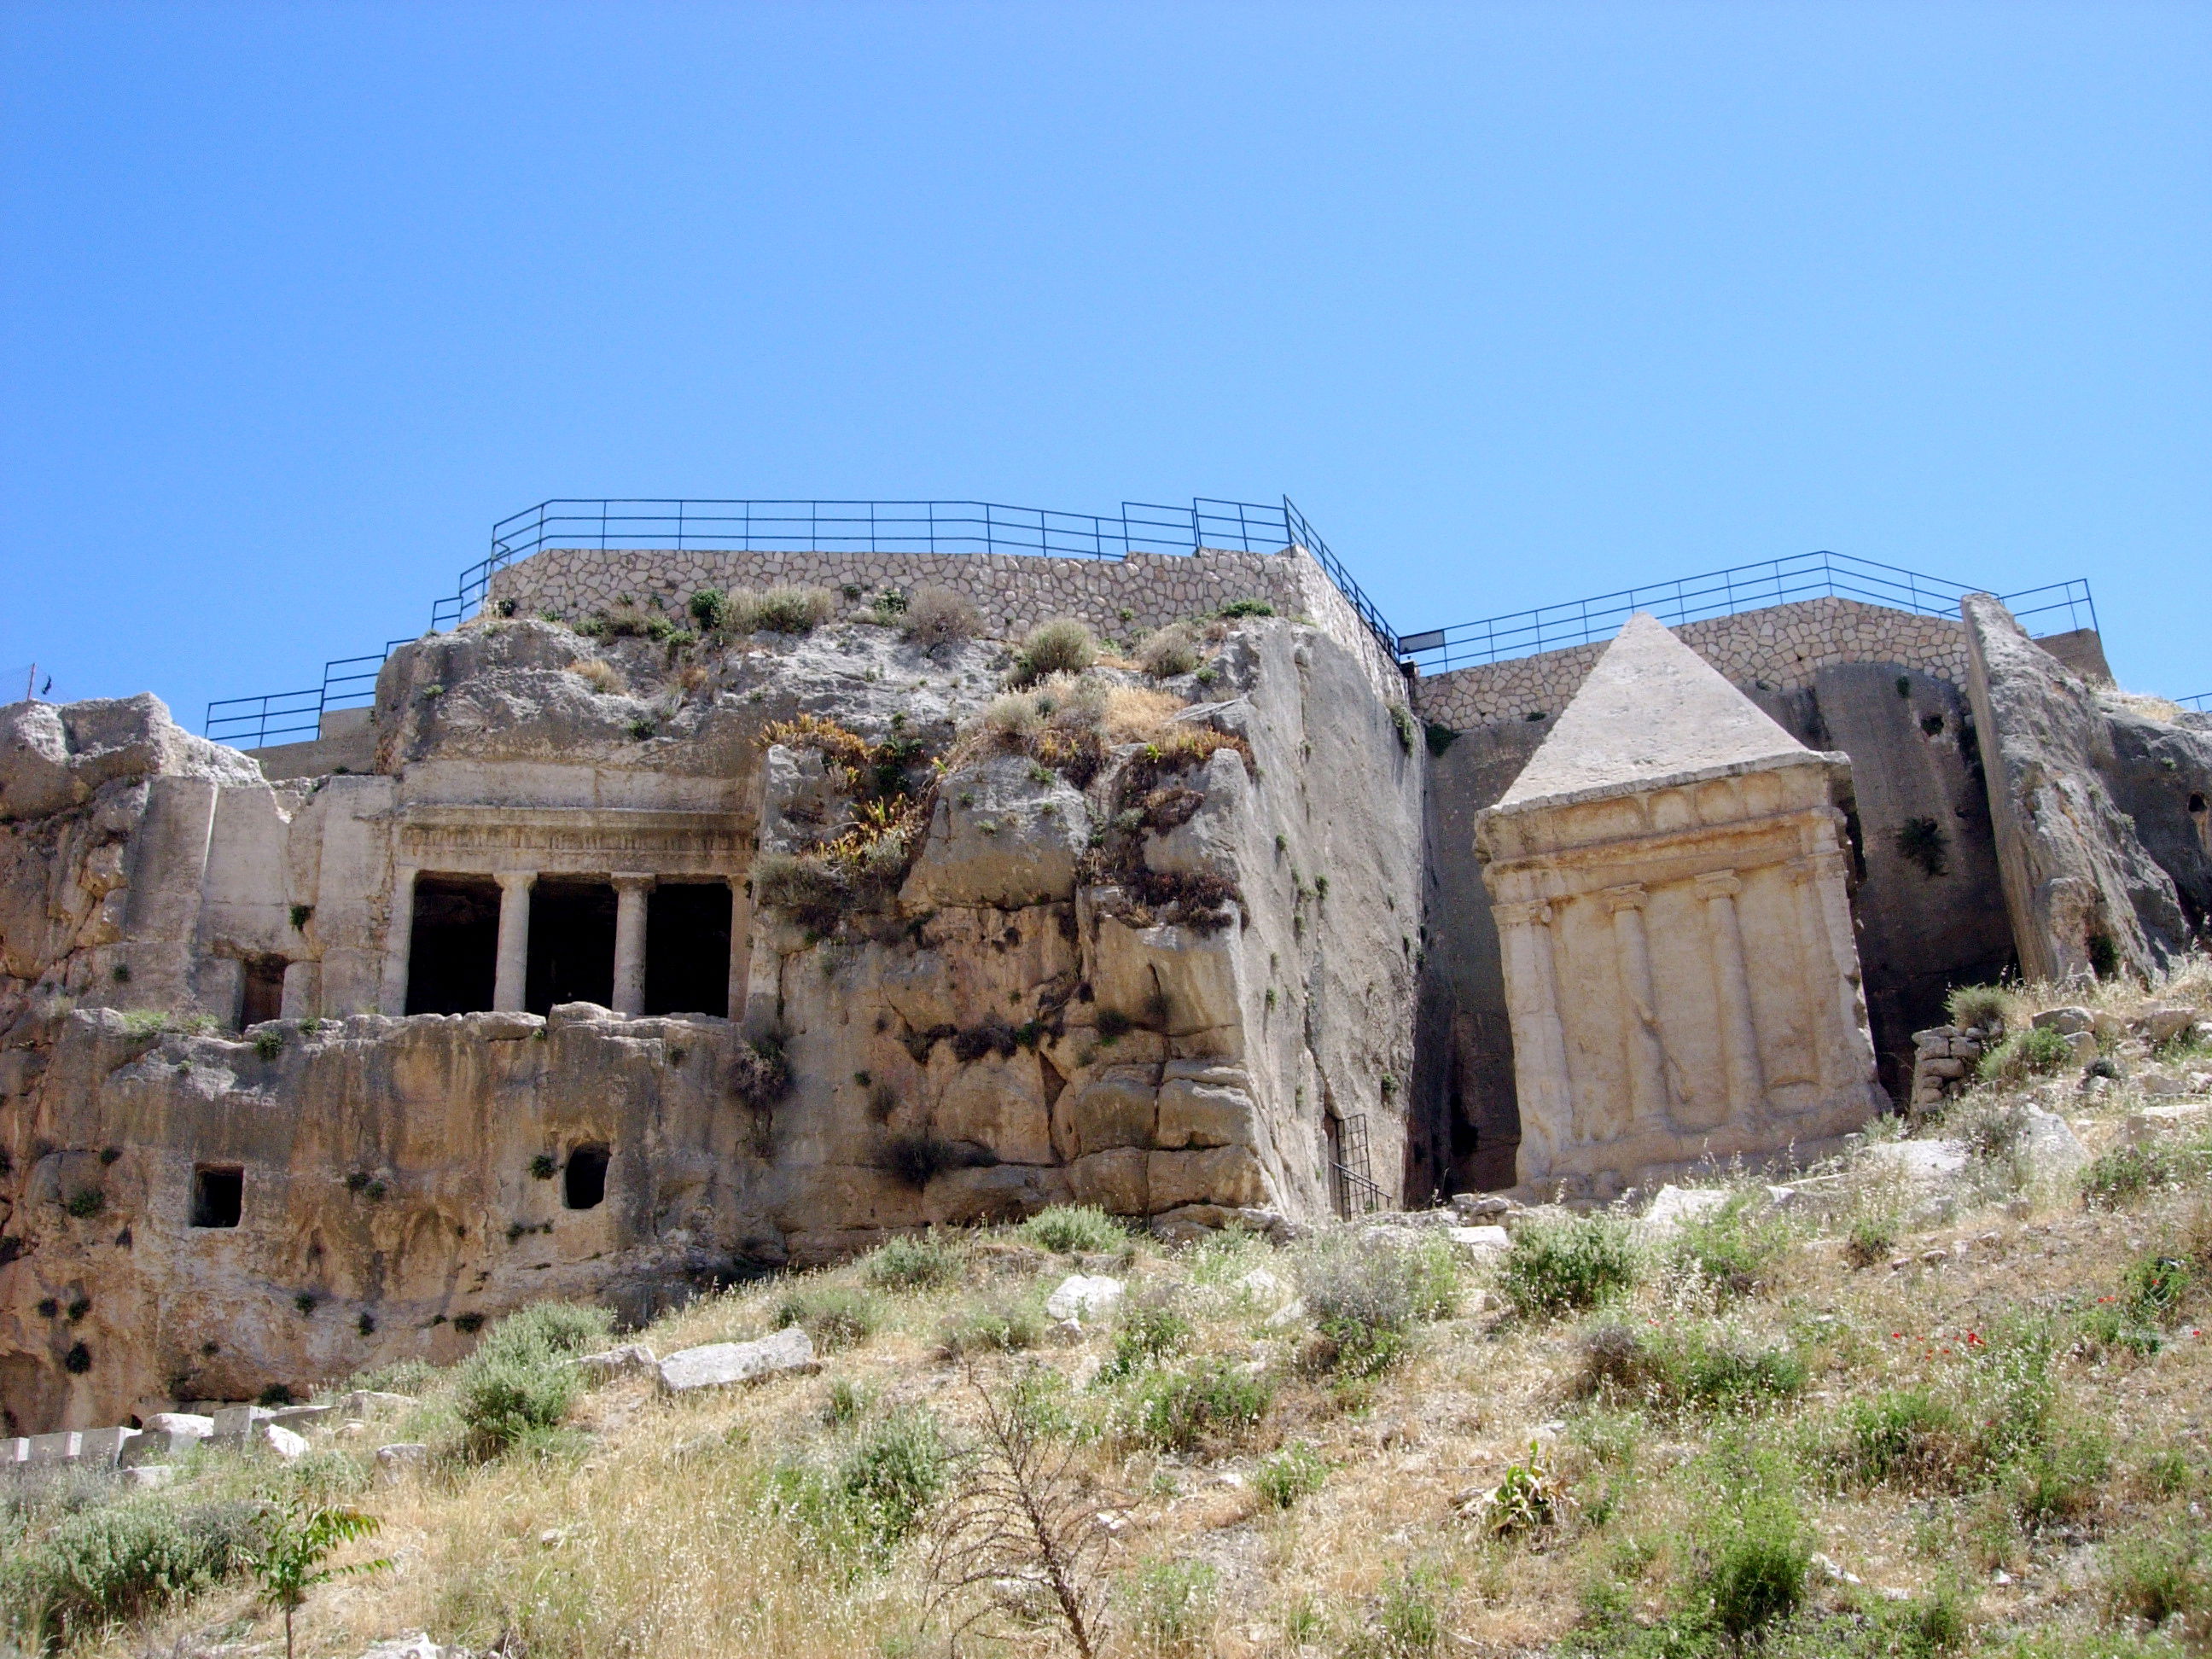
(2085, 896)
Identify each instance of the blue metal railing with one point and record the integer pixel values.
(808, 526)
(2201, 702)
(296, 716)
(1724, 593)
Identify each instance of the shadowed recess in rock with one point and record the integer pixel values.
(687, 955)
(572, 944)
(453, 950)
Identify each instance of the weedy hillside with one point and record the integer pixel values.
(1948, 1395)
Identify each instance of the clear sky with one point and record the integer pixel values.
(1519, 303)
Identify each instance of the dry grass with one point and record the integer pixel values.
(654, 1529)
(603, 676)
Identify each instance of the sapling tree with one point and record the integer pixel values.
(296, 1539)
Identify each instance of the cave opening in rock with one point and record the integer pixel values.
(218, 1196)
(687, 949)
(262, 995)
(584, 1183)
(453, 955)
(572, 943)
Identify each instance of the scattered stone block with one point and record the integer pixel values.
(301, 1417)
(103, 1447)
(60, 1447)
(401, 1458)
(2162, 1025)
(368, 1402)
(1674, 1207)
(235, 1425)
(1079, 1297)
(2049, 1148)
(630, 1359)
(719, 1364)
(1480, 1244)
(417, 1646)
(149, 1477)
(1261, 1286)
(2067, 1021)
(276, 1438)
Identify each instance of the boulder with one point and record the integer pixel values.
(234, 1425)
(1000, 837)
(721, 1364)
(398, 1459)
(1479, 1243)
(1923, 1163)
(2048, 1146)
(417, 1646)
(369, 1402)
(1080, 1297)
(149, 1477)
(2067, 1021)
(276, 1438)
(2162, 1025)
(1262, 1286)
(1672, 1206)
(630, 1359)
(167, 1435)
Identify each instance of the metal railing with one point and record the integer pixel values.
(1725, 593)
(296, 716)
(856, 527)
(2201, 702)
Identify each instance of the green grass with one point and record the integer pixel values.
(1557, 1266)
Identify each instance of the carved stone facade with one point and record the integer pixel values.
(1670, 877)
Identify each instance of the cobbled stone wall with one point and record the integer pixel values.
(1122, 599)
(1777, 649)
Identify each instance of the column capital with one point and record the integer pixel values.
(1630, 897)
(516, 881)
(1719, 884)
(625, 881)
(1524, 913)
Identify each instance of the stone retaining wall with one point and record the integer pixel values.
(1123, 599)
(1777, 649)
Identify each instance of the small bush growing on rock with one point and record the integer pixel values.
(1170, 650)
(760, 1073)
(782, 609)
(918, 1157)
(603, 676)
(86, 1202)
(1062, 645)
(1365, 1297)
(121, 1561)
(1075, 1229)
(1237, 608)
(835, 1316)
(928, 1263)
(2024, 1054)
(709, 608)
(1574, 1262)
(937, 616)
(1983, 1006)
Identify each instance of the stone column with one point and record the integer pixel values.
(1647, 1055)
(1746, 1082)
(398, 947)
(514, 974)
(1848, 1063)
(1539, 1048)
(630, 891)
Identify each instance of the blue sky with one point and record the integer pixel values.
(1519, 303)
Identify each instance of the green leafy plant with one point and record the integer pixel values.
(297, 1539)
(1572, 1263)
(86, 1202)
(1075, 1229)
(1297, 1471)
(118, 1561)
(1366, 1297)
(1237, 608)
(1978, 1006)
(1169, 1605)
(1921, 841)
(927, 1263)
(1177, 1408)
(2024, 1054)
(269, 1042)
(1062, 645)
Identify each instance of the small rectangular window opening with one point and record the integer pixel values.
(218, 1196)
(584, 1183)
(263, 993)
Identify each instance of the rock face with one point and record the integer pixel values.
(1669, 876)
(297, 1079)
(2084, 896)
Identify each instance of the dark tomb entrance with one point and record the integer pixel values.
(452, 955)
(218, 1196)
(584, 1183)
(572, 944)
(687, 949)
(263, 994)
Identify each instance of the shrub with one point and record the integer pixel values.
(2126, 1173)
(1237, 608)
(929, 1263)
(835, 1316)
(601, 676)
(1074, 1229)
(1001, 1323)
(1573, 1263)
(121, 1561)
(86, 1202)
(1690, 1368)
(2154, 1576)
(890, 1479)
(2024, 1054)
(1364, 1296)
(1733, 1247)
(1756, 1548)
(709, 608)
(760, 1073)
(1207, 1398)
(1170, 650)
(519, 1382)
(2059, 1479)
(1985, 1005)
(1921, 841)
(269, 1042)
(1062, 645)
(1169, 1605)
(1872, 1239)
(1148, 1330)
(1903, 1437)
(1410, 1613)
(783, 609)
(1294, 1472)
(937, 616)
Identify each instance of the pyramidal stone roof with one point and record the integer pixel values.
(1652, 710)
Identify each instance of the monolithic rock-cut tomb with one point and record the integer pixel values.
(670, 916)
(1669, 876)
